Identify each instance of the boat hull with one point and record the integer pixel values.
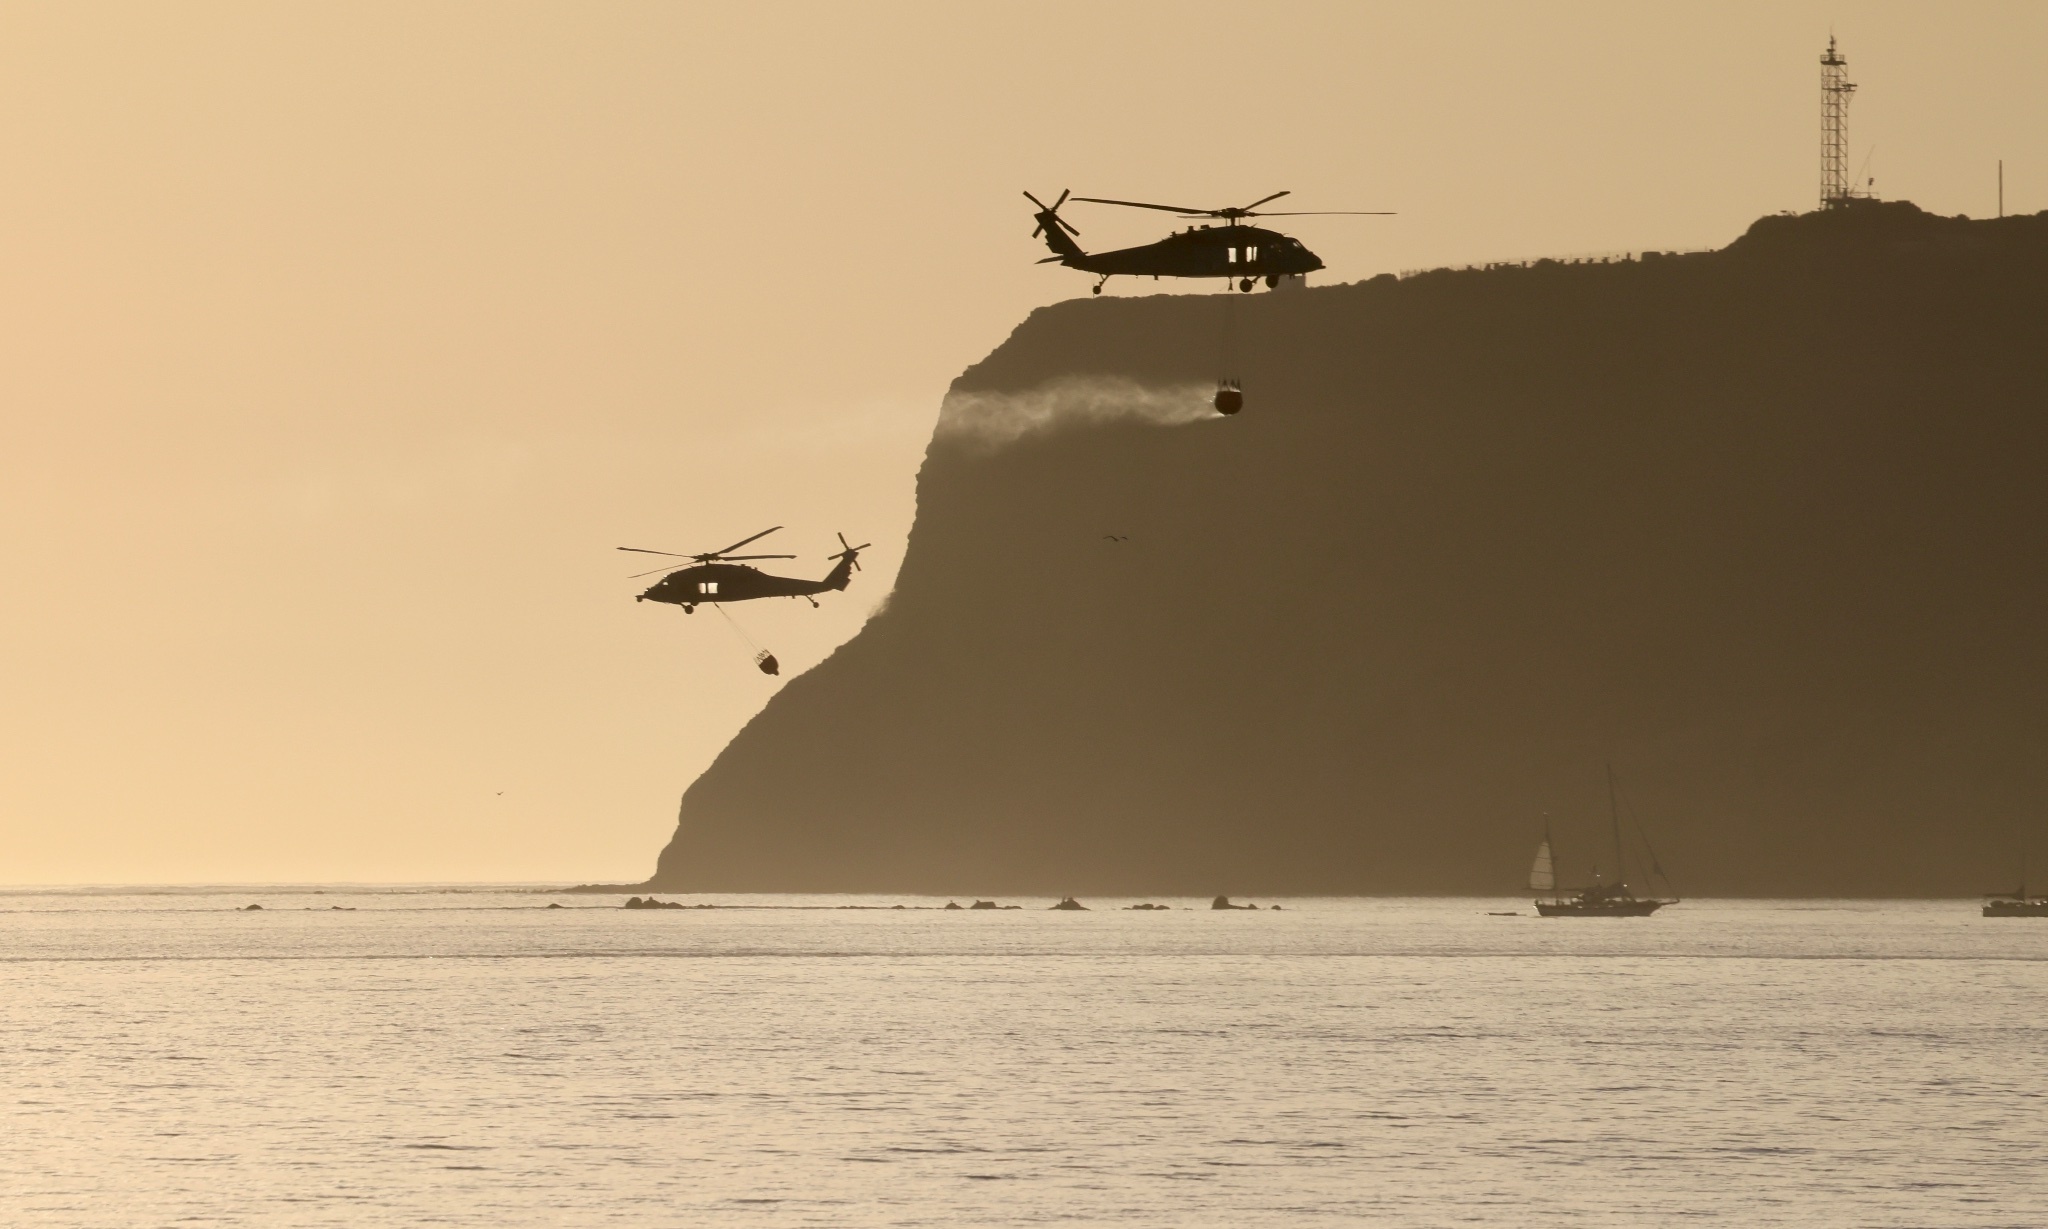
(2017, 908)
(1605, 908)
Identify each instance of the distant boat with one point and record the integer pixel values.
(1597, 899)
(2017, 903)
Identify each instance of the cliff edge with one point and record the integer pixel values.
(1763, 527)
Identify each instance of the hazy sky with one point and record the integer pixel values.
(339, 344)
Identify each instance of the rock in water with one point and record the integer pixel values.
(1761, 526)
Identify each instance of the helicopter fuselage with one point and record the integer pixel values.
(711, 583)
(1204, 251)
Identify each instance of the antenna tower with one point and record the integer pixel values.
(1835, 92)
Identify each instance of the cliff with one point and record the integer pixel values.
(1763, 527)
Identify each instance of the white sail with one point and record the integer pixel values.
(1542, 875)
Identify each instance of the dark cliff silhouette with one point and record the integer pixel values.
(1764, 527)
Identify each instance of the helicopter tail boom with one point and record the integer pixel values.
(1061, 243)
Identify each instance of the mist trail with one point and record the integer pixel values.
(992, 419)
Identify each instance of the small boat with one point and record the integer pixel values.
(1599, 899)
(2018, 902)
(2020, 905)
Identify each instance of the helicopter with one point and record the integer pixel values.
(1232, 250)
(718, 576)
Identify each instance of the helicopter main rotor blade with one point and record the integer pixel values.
(1328, 213)
(664, 571)
(735, 546)
(731, 558)
(643, 550)
(1262, 200)
(1103, 200)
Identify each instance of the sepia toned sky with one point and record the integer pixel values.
(341, 343)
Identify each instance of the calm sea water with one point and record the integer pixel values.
(440, 1057)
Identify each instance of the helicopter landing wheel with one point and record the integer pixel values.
(1246, 285)
(1272, 281)
(689, 610)
(1095, 289)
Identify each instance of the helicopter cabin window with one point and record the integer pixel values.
(707, 586)
(1233, 255)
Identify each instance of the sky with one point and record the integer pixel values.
(340, 344)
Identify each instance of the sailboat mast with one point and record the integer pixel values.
(1614, 814)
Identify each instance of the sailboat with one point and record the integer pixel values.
(1598, 899)
(2017, 903)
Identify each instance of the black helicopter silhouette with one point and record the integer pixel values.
(1232, 250)
(718, 576)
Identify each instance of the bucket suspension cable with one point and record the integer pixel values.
(1229, 393)
(763, 659)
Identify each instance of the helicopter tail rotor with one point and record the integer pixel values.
(1052, 212)
(851, 553)
(1059, 233)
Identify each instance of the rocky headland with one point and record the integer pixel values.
(1765, 527)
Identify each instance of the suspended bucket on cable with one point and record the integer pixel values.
(764, 661)
(1229, 397)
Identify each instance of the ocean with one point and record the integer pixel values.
(468, 1056)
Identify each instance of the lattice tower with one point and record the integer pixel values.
(1835, 91)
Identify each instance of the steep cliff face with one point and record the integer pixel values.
(1764, 527)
